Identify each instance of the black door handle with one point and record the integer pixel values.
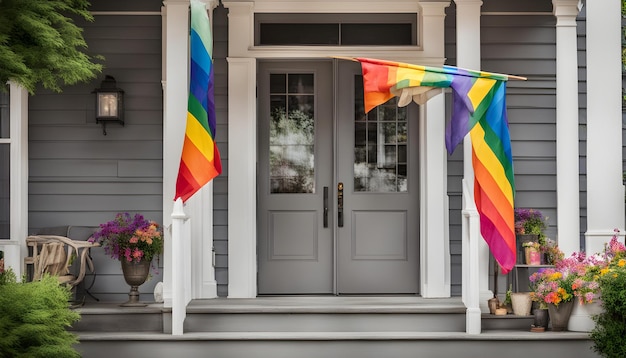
(340, 205)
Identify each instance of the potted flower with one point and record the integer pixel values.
(552, 287)
(551, 252)
(530, 225)
(134, 241)
(532, 252)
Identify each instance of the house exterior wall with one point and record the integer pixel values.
(80, 177)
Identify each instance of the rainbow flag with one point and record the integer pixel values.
(479, 108)
(200, 160)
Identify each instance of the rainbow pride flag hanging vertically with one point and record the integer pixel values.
(479, 108)
(200, 160)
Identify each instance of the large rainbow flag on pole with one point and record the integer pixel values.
(479, 108)
(200, 160)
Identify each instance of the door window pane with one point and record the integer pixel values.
(380, 145)
(292, 133)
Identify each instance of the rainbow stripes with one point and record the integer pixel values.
(200, 160)
(479, 108)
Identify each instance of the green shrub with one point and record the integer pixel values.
(34, 317)
(609, 335)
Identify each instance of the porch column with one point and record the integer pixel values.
(15, 248)
(605, 191)
(176, 24)
(242, 223)
(468, 56)
(242, 263)
(435, 242)
(567, 156)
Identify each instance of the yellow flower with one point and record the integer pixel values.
(604, 271)
(621, 263)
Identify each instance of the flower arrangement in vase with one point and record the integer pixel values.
(130, 238)
(134, 241)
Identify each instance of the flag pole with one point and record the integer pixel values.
(511, 77)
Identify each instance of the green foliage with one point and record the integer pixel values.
(609, 335)
(34, 317)
(40, 44)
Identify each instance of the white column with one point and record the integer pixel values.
(605, 192)
(242, 263)
(15, 250)
(435, 243)
(567, 156)
(468, 56)
(200, 209)
(176, 14)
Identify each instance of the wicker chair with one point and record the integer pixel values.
(55, 255)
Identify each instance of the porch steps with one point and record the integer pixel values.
(316, 327)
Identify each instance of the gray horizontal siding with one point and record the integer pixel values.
(78, 176)
(220, 184)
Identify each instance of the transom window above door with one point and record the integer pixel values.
(394, 29)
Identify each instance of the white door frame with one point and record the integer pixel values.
(242, 107)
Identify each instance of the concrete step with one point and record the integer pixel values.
(326, 314)
(511, 344)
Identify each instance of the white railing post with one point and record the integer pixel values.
(181, 268)
(470, 236)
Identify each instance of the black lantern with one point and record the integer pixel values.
(109, 103)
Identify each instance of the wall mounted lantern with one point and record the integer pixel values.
(109, 103)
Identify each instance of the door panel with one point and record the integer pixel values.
(295, 253)
(314, 239)
(377, 164)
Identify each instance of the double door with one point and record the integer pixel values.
(337, 188)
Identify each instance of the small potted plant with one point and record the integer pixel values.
(532, 252)
(530, 225)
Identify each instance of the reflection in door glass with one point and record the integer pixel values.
(380, 145)
(292, 132)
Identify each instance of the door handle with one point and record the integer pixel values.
(325, 206)
(340, 204)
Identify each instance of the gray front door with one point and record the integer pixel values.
(337, 189)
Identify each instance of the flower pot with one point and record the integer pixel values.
(521, 303)
(532, 255)
(521, 239)
(581, 319)
(135, 274)
(559, 315)
(542, 317)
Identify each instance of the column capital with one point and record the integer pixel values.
(478, 3)
(566, 10)
(430, 8)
